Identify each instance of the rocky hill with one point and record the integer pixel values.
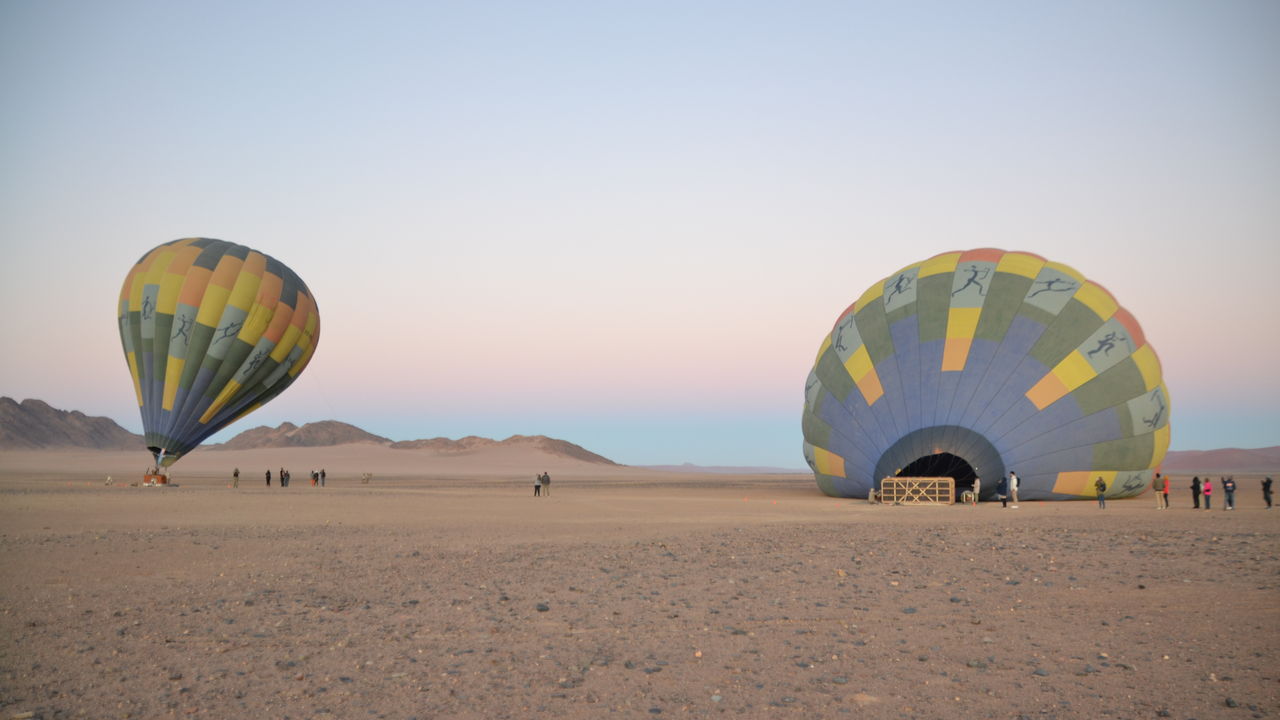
(1225, 460)
(316, 434)
(471, 443)
(33, 425)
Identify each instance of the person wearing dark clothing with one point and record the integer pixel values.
(1229, 488)
(1266, 491)
(546, 484)
(1195, 492)
(537, 485)
(321, 477)
(1100, 486)
(1002, 491)
(268, 478)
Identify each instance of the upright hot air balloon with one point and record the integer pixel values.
(980, 363)
(211, 331)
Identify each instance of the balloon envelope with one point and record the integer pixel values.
(211, 330)
(992, 361)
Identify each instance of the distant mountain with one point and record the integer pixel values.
(1225, 460)
(316, 434)
(726, 469)
(33, 425)
(551, 446)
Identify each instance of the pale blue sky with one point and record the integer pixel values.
(630, 224)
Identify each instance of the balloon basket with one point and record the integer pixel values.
(155, 480)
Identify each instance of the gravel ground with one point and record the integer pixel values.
(734, 597)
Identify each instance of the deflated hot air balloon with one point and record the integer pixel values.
(983, 362)
(211, 331)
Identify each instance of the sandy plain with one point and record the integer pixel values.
(443, 589)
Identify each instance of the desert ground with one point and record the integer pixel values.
(443, 589)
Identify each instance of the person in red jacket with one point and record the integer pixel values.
(1207, 491)
(1164, 492)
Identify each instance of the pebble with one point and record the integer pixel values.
(1041, 672)
(543, 607)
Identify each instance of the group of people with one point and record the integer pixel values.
(1204, 489)
(317, 477)
(1160, 484)
(1199, 489)
(1006, 491)
(542, 484)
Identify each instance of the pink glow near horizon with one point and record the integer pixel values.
(624, 232)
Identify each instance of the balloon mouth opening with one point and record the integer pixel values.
(945, 451)
(942, 464)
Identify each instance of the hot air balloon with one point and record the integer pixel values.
(983, 362)
(211, 331)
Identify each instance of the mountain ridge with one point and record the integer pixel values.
(35, 425)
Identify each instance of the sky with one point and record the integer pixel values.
(630, 225)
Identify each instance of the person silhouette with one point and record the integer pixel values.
(1106, 344)
(228, 332)
(900, 286)
(1049, 286)
(182, 330)
(974, 274)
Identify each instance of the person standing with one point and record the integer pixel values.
(268, 478)
(1229, 489)
(1014, 482)
(546, 484)
(1100, 486)
(1207, 490)
(1157, 483)
(537, 485)
(1195, 492)
(1266, 491)
(977, 490)
(1164, 491)
(321, 477)
(1002, 491)
(235, 478)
